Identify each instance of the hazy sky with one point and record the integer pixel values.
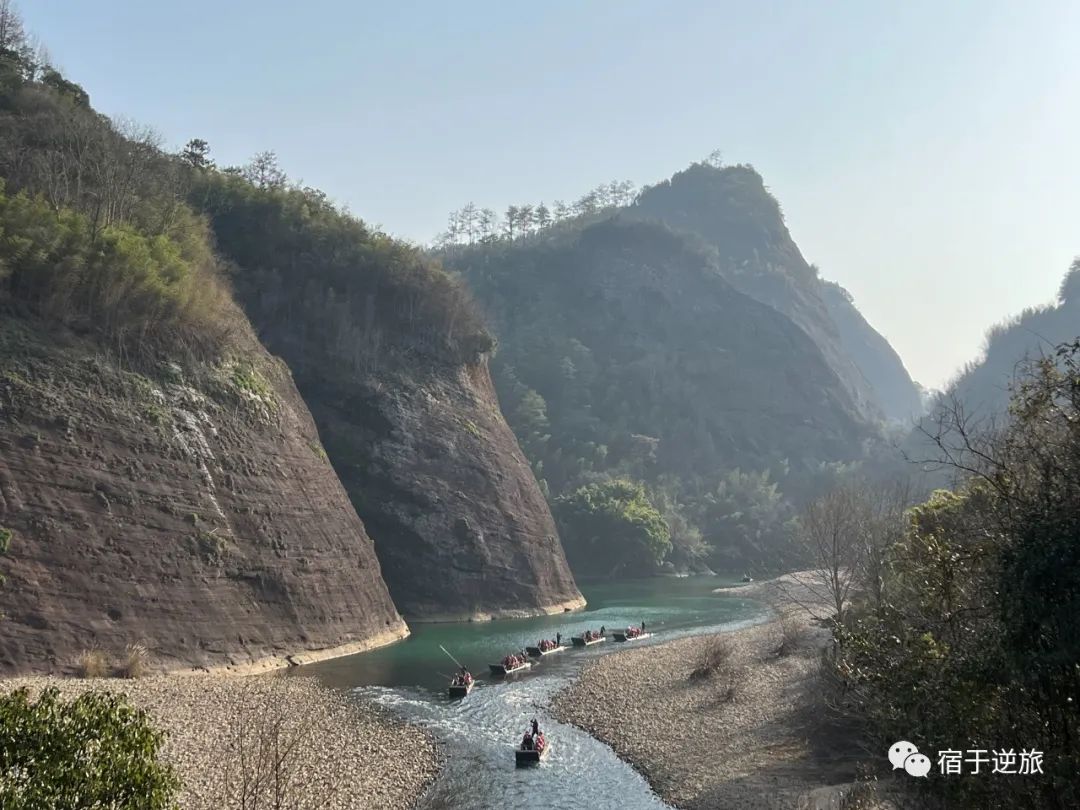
(924, 152)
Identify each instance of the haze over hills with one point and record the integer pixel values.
(732, 211)
(678, 337)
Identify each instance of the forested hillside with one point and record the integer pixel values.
(983, 386)
(624, 352)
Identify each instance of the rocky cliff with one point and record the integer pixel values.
(731, 211)
(188, 506)
(391, 357)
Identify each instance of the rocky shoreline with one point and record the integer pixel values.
(744, 738)
(345, 753)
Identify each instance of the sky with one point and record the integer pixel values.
(924, 153)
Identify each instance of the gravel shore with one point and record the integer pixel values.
(346, 754)
(702, 745)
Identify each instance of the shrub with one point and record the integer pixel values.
(93, 663)
(717, 663)
(96, 751)
(792, 637)
(135, 662)
(135, 290)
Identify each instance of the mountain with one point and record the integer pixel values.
(392, 358)
(624, 351)
(984, 386)
(730, 209)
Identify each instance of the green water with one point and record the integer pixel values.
(478, 734)
(669, 606)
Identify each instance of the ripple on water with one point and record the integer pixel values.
(479, 734)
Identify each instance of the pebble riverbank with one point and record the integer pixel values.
(345, 754)
(698, 746)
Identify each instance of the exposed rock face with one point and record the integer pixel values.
(460, 525)
(390, 355)
(192, 509)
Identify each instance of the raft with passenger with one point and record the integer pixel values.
(630, 634)
(547, 646)
(531, 750)
(459, 691)
(461, 685)
(510, 665)
(588, 638)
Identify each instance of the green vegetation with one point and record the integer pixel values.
(132, 289)
(94, 751)
(362, 296)
(611, 527)
(95, 234)
(624, 353)
(967, 636)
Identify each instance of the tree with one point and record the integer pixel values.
(263, 171)
(543, 216)
(13, 37)
(513, 214)
(974, 635)
(526, 214)
(196, 154)
(612, 527)
(91, 752)
(469, 222)
(488, 224)
(560, 210)
(833, 531)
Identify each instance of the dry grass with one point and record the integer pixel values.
(135, 663)
(717, 663)
(93, 663)
(791, 637)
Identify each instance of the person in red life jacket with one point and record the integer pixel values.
(540, 741)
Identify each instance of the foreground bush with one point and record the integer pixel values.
(95, 751)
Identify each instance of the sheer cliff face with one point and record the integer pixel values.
(460, 525)
(731, 210)
(190, 508)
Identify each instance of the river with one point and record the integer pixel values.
(478, 733)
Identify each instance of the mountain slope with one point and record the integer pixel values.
(732, 211)
(624, 350)
(391, 356)
(984, 386)
(876, 359)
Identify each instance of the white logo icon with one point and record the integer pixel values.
(901, 751)
(917, 764)
(905, 755)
